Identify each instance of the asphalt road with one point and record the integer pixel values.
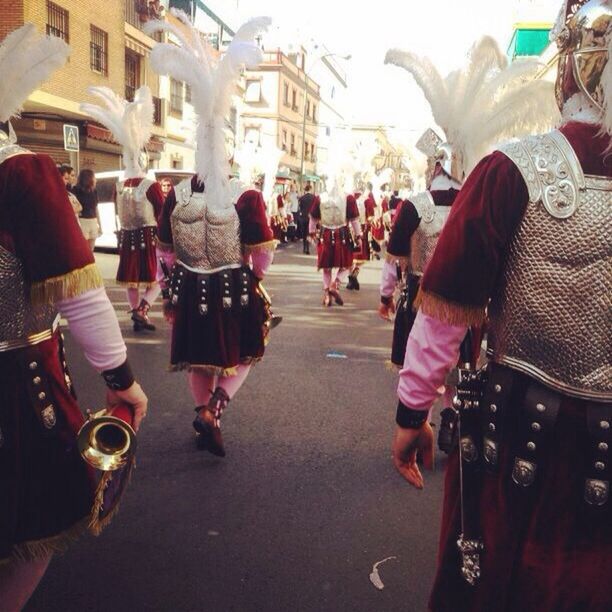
(306, 500)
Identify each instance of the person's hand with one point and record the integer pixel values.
(168, 311)
(385, 311)
(407, 443)
(133, 396)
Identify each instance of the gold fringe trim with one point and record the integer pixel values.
(449, 312)
(404, 262)
(67, 286)
(131, 285)
(270, 245)
(212, 370)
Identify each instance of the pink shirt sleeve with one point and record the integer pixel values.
(432, 351)
(356, 226)
(388, 280)
(169, 258)
(93, 324)
(261, 261)
(312, 225)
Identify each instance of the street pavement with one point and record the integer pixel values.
(304, 504)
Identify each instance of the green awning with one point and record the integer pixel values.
(311, 177)
(528, 42)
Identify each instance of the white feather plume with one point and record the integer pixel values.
(212, 83)
(130, 122)
(27, 59)
(484, 102)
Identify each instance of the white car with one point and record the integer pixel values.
(109, 220)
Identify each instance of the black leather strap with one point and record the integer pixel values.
(408, 418)
(120, 378)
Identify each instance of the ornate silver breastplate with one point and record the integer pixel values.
(551, 314)
(21, 323)
(205, 239)
(134, 210)
(425, 238)
(333, 213)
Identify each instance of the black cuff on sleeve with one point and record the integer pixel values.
(407, 418)
(386, 300)
(119, 379)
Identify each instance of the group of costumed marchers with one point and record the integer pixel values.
(334, 224)
(527, 519)
(215, 251)
(139, 200)
(48, 493)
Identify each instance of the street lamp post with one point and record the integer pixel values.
(302, 156)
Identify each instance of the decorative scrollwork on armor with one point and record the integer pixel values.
(205, 239)
(19, 320)
(551, 171)
(555, 290)
(134, 209)
(425, 238)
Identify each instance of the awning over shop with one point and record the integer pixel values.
(529, 40)
(313, 178)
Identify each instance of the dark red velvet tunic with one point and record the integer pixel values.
(221, 338)
(137, 258)
(545, 549)
(46, 490)
(334, 249)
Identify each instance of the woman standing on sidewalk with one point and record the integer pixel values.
(89, 217)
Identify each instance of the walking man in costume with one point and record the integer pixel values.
(217, 308)
(48, 494)
(529, 233)
(139, 200)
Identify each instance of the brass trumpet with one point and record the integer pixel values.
(107, 442)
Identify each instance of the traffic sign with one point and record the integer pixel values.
(71, 137)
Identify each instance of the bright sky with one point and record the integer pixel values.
(444, 30)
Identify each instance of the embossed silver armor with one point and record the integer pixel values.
(425, 238)
(333, 212)
(551, 315)
(21, 323)
(206, 239)
(134, 209)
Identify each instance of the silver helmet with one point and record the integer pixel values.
(583, 35)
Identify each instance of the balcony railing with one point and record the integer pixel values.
(138, 12)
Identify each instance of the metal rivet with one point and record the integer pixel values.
(603, 447)
(493, 408)
(531, 446)
(540, 407)
(600, 466)
(605, 424)
(536, 426)
(37, 380)
(42, 395)
(498, 388)
(491, 427)
(33, 365)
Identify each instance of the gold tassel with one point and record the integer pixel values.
(449, 312)
(66, 286)
(270, 245)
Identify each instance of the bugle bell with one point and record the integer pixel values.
(107, 442)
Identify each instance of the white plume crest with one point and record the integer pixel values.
(484, 102)
(27, 59)
(606, 85)
(130, 122)
(212, 83)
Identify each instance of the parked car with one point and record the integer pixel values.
(109, 219)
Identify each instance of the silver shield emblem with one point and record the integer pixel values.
(524, 472)
(48, 417)
(596, 492)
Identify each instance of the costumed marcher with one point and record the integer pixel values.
(421, 218)
(139, 200)
(529, 241)
(363, 253)
(220, 317)
(278, 219)
(48, 494)
(339, 233)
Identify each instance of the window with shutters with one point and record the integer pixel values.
(176, 97)
(98, 51)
